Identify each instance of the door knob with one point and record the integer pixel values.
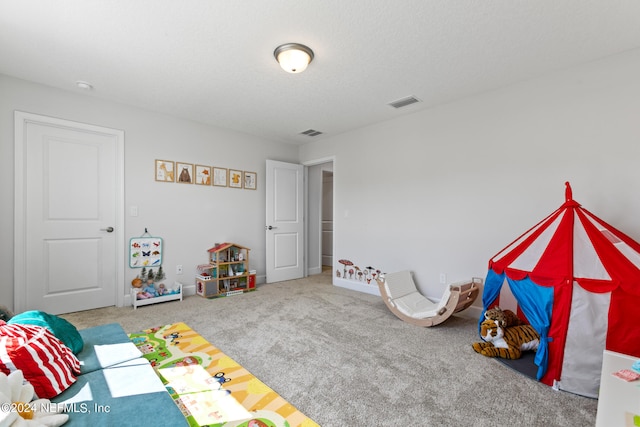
(108, 229)
(270, 227)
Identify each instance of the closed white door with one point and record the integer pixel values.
(284, 221)
(69, 215)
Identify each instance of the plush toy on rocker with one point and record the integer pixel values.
(507, 342)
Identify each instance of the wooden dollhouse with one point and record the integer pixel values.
(227, 272)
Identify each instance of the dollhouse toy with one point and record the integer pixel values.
(227, 272)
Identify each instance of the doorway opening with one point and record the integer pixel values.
(320, 231)
(327, 220)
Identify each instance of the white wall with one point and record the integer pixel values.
(190, 218)
(439, 191)
(443, 190)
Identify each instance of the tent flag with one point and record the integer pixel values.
(535, 302)
(492, 286)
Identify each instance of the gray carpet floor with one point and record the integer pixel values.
(344, 360)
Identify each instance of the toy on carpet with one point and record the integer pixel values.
(506, 318)
(507, 343)
(17, 407)
(401, 296)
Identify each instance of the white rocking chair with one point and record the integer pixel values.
(402, 297)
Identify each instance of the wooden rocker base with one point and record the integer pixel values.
(398, 288)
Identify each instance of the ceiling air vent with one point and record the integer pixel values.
(311, 132)
(404, 102)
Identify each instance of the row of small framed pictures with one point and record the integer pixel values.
(188, 173)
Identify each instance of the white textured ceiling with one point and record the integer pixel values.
(212, 61)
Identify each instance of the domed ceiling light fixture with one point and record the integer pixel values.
(293, 57)
(84, 85)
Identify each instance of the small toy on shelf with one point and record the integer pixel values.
(143, 274)
(150, 289)
(160, 274)
(143, 295)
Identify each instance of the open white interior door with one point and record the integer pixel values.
(284, 221)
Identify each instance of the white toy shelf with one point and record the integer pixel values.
(163, 298)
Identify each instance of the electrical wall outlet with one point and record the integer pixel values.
(178, 269)
(443, 278)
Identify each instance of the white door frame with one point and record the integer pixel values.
(20, 264)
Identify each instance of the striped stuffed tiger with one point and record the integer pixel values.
(507, 343)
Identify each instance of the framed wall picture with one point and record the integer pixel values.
(184, 173)
(235, 178)
(219, 177)
(145, 252)
(164, 171)
(203, 175)
(249, 180)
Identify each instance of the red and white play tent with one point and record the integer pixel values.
(576, 279)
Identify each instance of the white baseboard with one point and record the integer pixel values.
(369, 288)
(314, 270)
(473, 312)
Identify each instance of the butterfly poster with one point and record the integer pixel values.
(145, 252)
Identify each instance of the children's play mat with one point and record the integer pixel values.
(210, 388)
